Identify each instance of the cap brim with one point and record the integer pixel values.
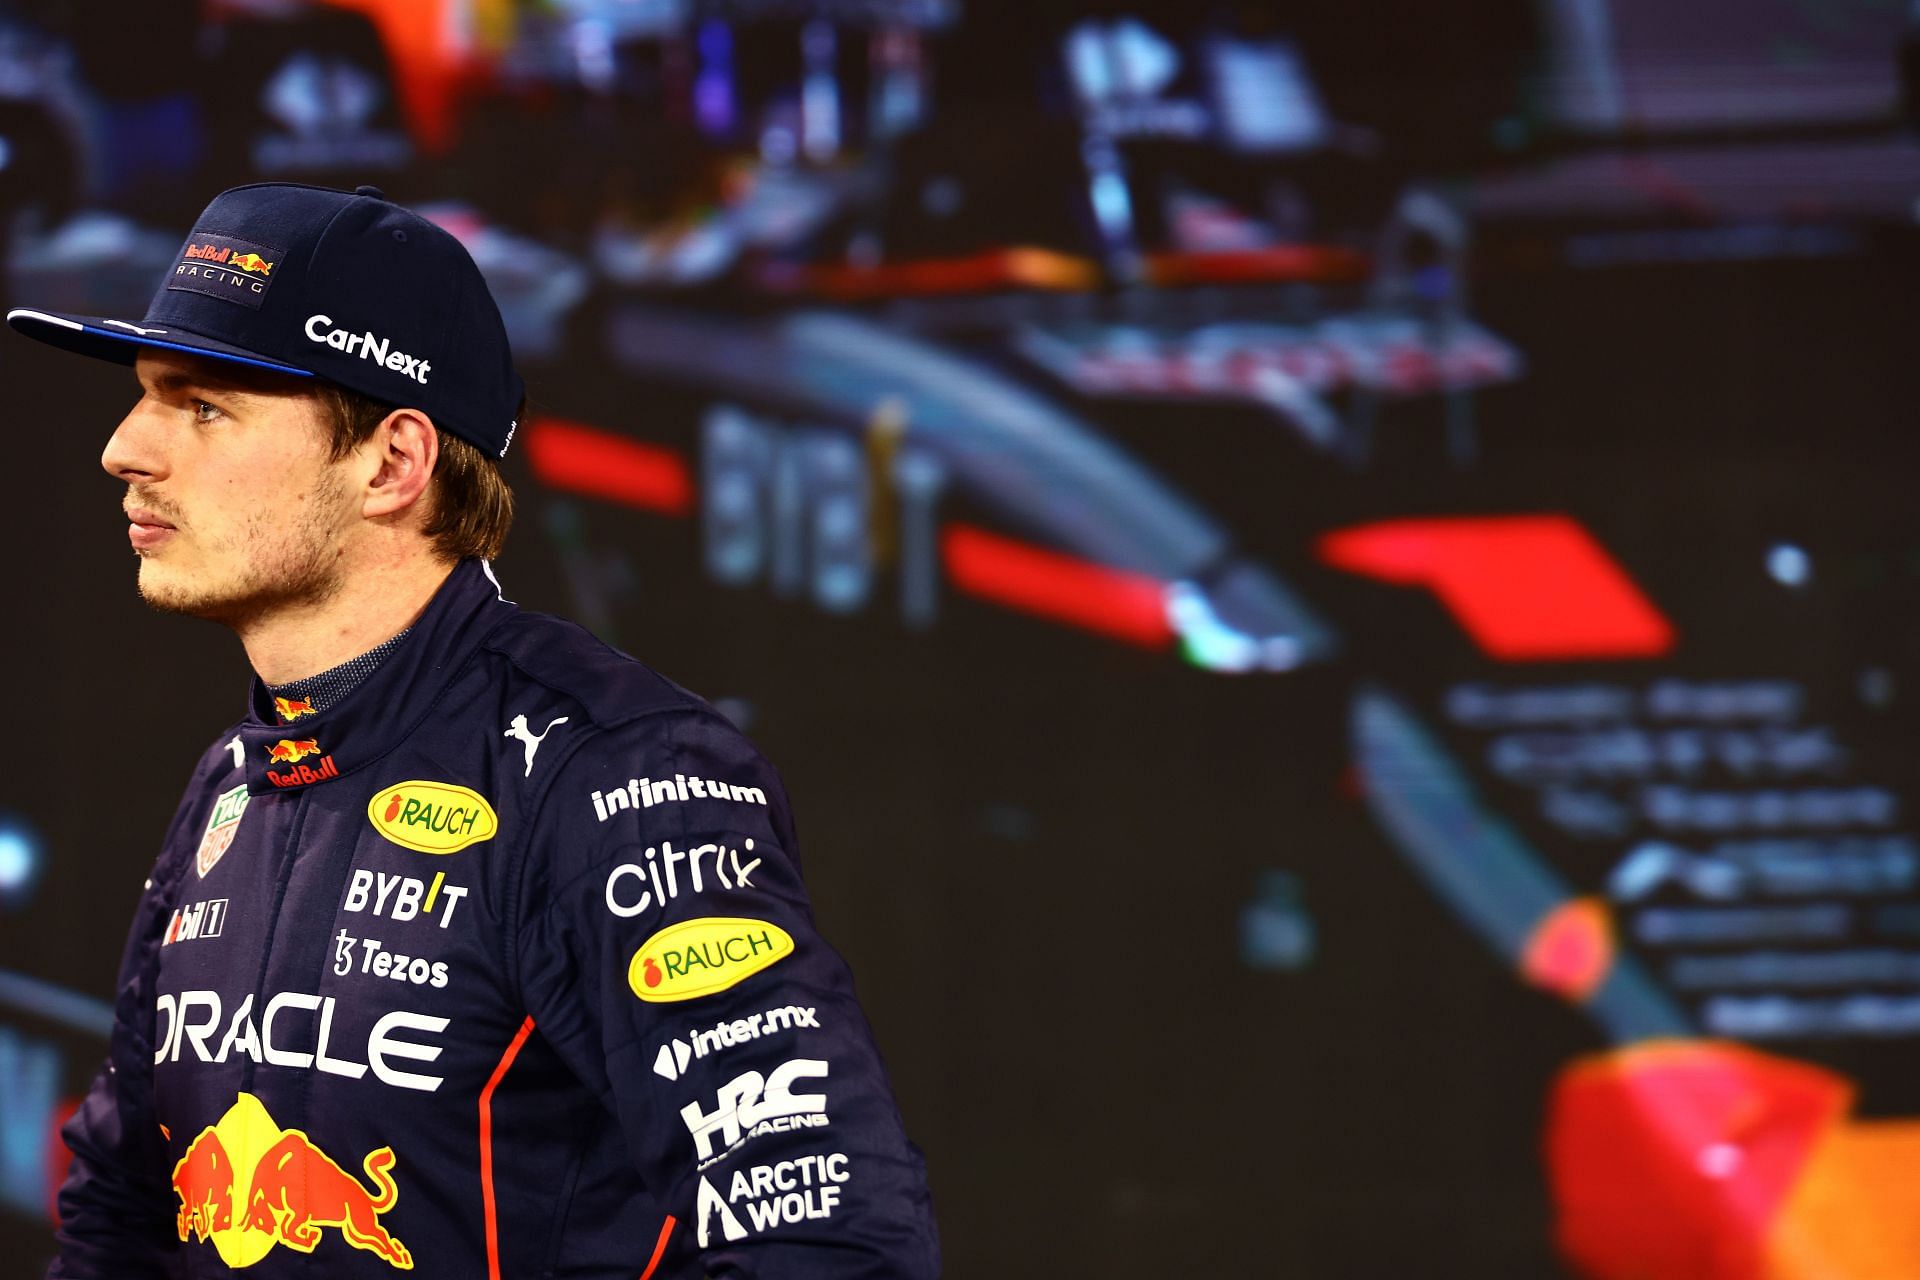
(121, 340)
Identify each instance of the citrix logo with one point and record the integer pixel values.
(368, 347)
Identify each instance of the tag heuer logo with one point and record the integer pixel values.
(221, 826)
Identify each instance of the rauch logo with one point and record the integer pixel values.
(432, 817)
(699, 957)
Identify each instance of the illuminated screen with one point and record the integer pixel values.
(1348, 683)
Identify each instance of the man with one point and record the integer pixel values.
(475, 948)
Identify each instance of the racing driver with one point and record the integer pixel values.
(475, 948)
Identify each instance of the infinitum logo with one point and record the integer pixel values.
(368, 346)
(676, 1053)
(644, 793)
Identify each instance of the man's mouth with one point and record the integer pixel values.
(147, 529)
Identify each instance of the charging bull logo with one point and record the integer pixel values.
(204, 1182)
(290, 1193)
(251, 262)
(291, 709)
(290, 751)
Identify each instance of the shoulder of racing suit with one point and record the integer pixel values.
(610, 688)
(634, 739)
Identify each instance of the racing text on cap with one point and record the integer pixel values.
(226, 268)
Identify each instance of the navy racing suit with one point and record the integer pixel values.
(500, 967)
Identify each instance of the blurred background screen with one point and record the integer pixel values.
(1336, 584)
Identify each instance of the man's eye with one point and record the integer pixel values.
(204, 412)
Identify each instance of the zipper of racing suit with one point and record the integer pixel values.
(288, 855)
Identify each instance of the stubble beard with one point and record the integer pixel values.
(281, 568)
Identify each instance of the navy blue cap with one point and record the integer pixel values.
(341, 285)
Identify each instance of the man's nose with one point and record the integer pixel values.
(135, 452)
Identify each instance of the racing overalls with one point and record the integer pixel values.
(500, 967)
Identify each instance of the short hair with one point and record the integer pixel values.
(470, 505)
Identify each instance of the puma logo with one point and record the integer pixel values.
(528, 738)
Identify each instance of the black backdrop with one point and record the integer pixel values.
(1162, 988)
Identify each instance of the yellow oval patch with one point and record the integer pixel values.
(699, 957)
(432, 817)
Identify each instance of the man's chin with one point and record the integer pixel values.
(235, 603)
(166, 590)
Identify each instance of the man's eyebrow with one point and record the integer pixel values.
(173, 381)
(169, 382)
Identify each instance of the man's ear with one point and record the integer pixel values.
(399, 459)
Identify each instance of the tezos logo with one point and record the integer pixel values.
(699, 957)
(432, 817)
(367, 346)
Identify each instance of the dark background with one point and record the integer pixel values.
(1160, 992)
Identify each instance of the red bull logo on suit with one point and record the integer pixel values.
(290, 751)
(247, 1185)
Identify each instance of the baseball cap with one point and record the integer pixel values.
(341, 285)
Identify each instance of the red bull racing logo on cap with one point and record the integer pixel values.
(225, 268)
(247, 1185)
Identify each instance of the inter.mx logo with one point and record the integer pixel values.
(751, 1104)
(198, 920)
(677, 1053)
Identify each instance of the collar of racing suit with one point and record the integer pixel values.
(316, 746)
(315, 694)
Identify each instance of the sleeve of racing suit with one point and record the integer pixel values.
(668, 952)
(117, 1204)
